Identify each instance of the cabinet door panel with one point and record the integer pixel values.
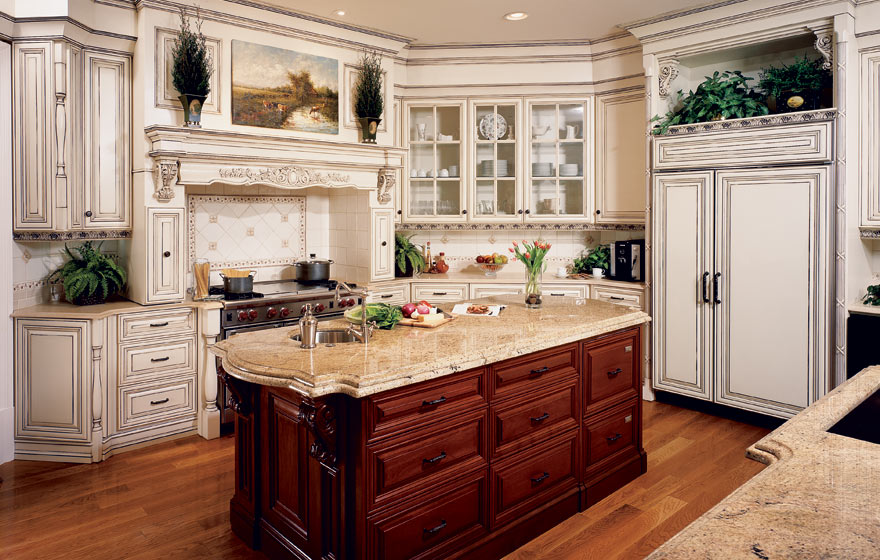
(620, 159)
(682, 262)
(165, 254)
(108, 159)
(382, 255)
(772, 257)
(871, 139)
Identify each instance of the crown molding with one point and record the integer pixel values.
(519, 44)
(66, 20)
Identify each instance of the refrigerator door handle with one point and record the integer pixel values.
(716, 287)
(706, 287)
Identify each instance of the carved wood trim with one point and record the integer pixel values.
(387, 182)
(287, 176)
(165, 172)
(320, 418)
(238, 392)
(668, 73)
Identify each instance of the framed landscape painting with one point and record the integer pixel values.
(280, 88)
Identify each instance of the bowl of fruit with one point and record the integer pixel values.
(491, 264)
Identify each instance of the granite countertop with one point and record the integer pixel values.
(407, 355)
(818, 498)
(511, 274)
(65, 310)
(859, 307)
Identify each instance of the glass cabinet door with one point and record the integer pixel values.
(434, 184)
(558, 169)
(494, 165)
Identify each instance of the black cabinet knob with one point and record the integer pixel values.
(528, 211)
(384, 243)
(519, 211)
(598, 212)
(166, 254)
(88, 213)
(464, 211)
(399, 212)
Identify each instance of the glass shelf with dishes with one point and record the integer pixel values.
(434, 187)
(495, 161)
(559, 169)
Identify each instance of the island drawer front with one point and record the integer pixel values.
(425, 403)
(416, 460)
(148, 404)
(619, 296)
(147, 361)
(151, 324)
(433, 525)
(612, 369)
(439, 293)
(526, 480)
(392, 295)
(533, 418)
(611, 432)
(527, 373)
(565, 290)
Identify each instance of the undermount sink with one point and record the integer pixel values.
(861, 422)
(330, 336)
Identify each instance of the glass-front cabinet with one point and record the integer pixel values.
(435, 189)
(495, 166)
(559, 155)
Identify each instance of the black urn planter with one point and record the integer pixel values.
(192, 109)
(793, 101)
(94, 299)
(405, 273)
(369, 127)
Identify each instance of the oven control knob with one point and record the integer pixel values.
(242, 315)
(320, 307)
(271, 312)
(302, 310)
(350, 302)
(285, 312)
(252, 314)
(342, 303)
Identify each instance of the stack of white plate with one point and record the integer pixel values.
(501, 170)
(568, 170)
(488, 168)
(542, 169)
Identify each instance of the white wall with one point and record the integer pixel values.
(6, 399)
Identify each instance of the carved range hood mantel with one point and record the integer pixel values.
(202, 157)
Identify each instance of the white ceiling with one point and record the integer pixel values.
(481, 21)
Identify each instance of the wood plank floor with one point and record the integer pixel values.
(171, 500)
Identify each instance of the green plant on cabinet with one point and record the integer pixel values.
(368, 95)
(408, 255)
(797, 86)
(191, 67)
(600, 257)
(90, 277)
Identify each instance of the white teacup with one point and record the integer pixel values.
(422, 173)
(562, 272)
(413, 172)
(598, 273)
(429, 173)
(443, 173)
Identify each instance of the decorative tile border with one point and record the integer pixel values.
(754, 122)
(33, 284)
(503, 227)
(70, 235)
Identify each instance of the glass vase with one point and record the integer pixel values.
(533, 287)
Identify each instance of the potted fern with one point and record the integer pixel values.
(797, 86)
(191, 68)
(408, 256)
(90, 276)
(368, 95)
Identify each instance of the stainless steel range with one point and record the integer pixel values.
(271, 305)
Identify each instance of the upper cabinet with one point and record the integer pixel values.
(620, 158)
(870, 214)
(71, 143)
(494, 167)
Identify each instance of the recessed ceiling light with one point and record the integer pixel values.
(516, 16)
(339, 12)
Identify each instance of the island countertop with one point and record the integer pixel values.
(407, 355)
(818, 498)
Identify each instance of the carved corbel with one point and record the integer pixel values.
(825, 45)
(321, 421)
(165, 178)
(386, 184)
(237, 391)
(668, 73)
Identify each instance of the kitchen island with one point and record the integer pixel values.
(463, 441)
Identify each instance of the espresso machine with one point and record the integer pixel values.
(627, 260)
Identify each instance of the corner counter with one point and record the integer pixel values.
(819, 497)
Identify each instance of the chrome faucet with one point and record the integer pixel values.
(366, 329)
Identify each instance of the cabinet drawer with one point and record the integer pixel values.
(153, 403)
(433, 526)
(567, 290)
(612, 369)
(438, 293)
(611, 432)
(424, 403)
(620, 296)
(488, 290)
(150, 324)
(416, 459)
(534, 417)
(393, 295)
(527, 373)
(528, 479)
(147, 361)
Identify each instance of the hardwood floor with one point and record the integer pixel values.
(172, 500)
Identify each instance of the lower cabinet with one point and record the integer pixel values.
(470, 465)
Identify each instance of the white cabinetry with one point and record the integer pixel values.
(741, 281)
(165, 250)
(382, 236)
(494, 160)
(870, 211)
(620, 158)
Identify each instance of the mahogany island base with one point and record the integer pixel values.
(469, 465)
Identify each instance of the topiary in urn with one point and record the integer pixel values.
(191, 68)
(368, 95)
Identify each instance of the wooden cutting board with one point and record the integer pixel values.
(413, 323)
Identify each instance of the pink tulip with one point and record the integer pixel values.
(514, 243)
(510, 249)
(528, 256)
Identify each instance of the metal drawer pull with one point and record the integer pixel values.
(165, 324)
(387, 296)
(541, 418)
(435, 459)
(705, 287)
(435, 401)
(614, 438)
(613, 373)
(440, 293)
(436, 529)
(618, 298)
(716, 287)
(165, 359)
(162, 401)
(540, 479)
(557, 294)
(539, 371)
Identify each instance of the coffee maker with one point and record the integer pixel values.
(627, 260)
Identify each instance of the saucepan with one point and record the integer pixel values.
(238, 284)
(312, 270)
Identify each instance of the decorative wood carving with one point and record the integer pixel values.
(60, 113)
(165, 178)
(288, 176)
(70, 235)
(386, 184)
(97, 400)
(668, 73)
(825, 45)
(238, 391)
(321, 420)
